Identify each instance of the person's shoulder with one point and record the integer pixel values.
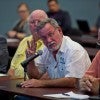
(72, 45)
(64, 12)
(26, 22)
(23, 45)
(28, 38)
(48, 13)
(73, 48)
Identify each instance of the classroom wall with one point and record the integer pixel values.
(78, 9)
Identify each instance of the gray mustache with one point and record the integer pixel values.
(50, 43)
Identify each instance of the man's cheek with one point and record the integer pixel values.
(32, 28)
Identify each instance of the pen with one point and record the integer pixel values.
(65, 94)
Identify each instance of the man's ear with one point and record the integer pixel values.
(60, 30)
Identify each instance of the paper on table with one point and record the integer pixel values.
(3, 74)
(71, 95)
(77, 96)
(57, 96)
(12, 40)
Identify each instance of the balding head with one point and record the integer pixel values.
(38, 13)
(35, 17)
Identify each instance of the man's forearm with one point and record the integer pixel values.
(32, 71)
(11, 73)
(62, 82)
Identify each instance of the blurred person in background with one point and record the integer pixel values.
(97, 24)
(62, 17)
(16, 70)
(21, 28)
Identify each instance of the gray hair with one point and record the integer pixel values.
(51, 21)
(38, 12)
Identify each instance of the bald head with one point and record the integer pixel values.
(38, 13)
(35, 17)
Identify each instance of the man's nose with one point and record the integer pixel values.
(36, 22)
(49, 39)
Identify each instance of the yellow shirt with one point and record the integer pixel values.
(21, 56)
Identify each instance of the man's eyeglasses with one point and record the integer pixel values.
(50, 35)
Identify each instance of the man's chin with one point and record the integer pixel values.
(53, 47)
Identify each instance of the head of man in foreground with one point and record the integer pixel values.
(51, 34)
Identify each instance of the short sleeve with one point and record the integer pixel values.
(93, 69)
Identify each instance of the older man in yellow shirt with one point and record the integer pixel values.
(16, 70)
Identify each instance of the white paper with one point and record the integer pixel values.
(57, 96)
(77, 96)
(71, 95)
(12, 40)
(3, 75)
